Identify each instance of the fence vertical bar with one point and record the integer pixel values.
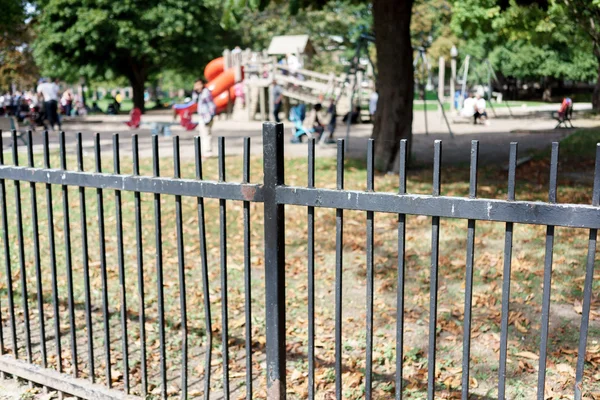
(103, 269)
(181, 265)
(512, 166)
(401, 274)
(36, 254)
(587, 286)
(159, 272)
(223, 250)
(140, 267)
(274, 225)
(9, 278)
(339, 268)
(68, 261)
(247, 272)
(370, 274)
(311, 274)
(547, 276)
(121, 263)
(433, 280)
(86, 264)
(52, 249)
(469, 274)
(20, 241)
(204, 260)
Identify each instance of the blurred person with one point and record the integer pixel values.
(354, 115)
(312, 122)
(327, 138)
(118, 101)
(96, 109)
(373, 104)
(468, 107)
(206, 110)
(67, 102)
(480, 112)
(49, 92)
(277, 100)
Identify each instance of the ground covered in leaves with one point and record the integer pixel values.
(570, 251)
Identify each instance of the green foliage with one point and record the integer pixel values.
(16, 64)
(104, 39)
(341, 19)
(525, 41)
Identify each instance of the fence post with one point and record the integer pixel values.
(274, 260)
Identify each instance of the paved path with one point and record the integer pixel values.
(532, 133)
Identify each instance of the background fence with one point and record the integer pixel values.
(168, 340)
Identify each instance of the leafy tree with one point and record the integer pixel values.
(395, 83)
(525, 39)
(16, 64)
(586, 13)
(136, 39)
(340, 19)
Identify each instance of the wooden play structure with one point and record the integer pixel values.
(257, 72)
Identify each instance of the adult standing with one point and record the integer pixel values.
(118, 101)
(373, 104)
(49, 92)
(277, 100)
(206, 111)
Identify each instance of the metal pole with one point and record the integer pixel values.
(274, 220)
(441, 78)
(423, 59)
(349, 121)
(452, 84)
(464, 82)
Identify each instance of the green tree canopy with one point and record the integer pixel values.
(131, 38)
(525, 40)
(16, 63)
(340, 19)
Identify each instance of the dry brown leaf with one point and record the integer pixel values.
(474, 384)
(520, 327)
(527, 354)
(565, 368)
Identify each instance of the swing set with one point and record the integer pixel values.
(490, 78)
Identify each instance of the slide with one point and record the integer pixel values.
(221, 83)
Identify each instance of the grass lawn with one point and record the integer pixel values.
(526, 287)
(432, 105)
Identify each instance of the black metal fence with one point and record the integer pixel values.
(137, 360)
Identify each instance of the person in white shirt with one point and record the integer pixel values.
(49, 90)
(294, 64)
(373, 104)
(480, 112)
(468, 108)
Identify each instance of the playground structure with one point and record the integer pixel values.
(242, 81)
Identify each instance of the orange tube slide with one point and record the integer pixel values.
(221, 83)
(214, 68)
(222, 99)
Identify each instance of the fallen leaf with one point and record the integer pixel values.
(527, 354)
(565, 368)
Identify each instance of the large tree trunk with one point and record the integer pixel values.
(138, 93)
(395, 82)
(137, 80)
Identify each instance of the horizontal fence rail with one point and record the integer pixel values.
(136, 317)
